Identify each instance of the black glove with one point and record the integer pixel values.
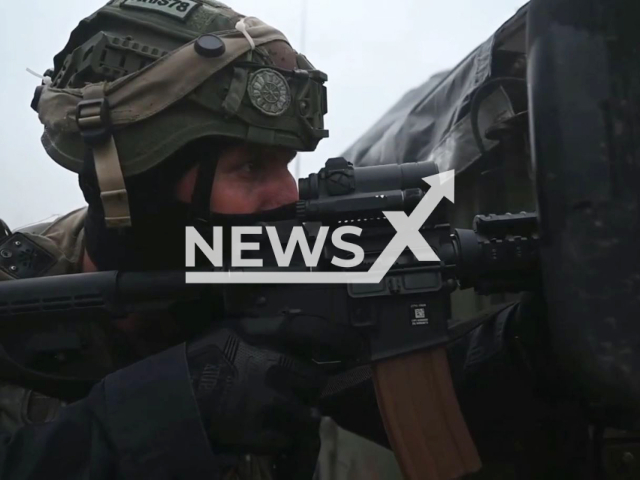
(256, 383)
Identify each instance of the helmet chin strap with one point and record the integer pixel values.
(156, 239)
(200, 210)
(158, 243)
(284, 212)
(155, 242)
(201, 216)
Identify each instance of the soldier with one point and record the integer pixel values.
(177, 113)
(169, 111)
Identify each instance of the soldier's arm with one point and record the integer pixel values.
(140, 422)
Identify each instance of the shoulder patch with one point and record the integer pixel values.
(179, 9)
(20, 257)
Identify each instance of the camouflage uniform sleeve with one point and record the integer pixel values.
(139, 422)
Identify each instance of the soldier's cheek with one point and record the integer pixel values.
(234, 197)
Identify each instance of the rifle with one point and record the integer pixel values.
(405, 318)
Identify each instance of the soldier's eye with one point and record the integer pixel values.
(253, 166)
(250, 166)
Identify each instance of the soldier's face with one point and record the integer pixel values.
(248, 179)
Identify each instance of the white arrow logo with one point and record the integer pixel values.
(407, 236)
(408, 228)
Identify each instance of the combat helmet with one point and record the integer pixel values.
(140, 79)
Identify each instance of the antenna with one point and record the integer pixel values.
(303, 41)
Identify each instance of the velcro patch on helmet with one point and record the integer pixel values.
(269, 92)
(179, 9)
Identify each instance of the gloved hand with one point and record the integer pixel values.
(256, 383)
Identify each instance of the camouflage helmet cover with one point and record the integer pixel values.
(139, 56)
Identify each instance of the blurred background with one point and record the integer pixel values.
(374, 51)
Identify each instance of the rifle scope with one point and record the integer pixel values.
(339, 177)
(340, 192)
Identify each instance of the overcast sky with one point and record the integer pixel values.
(372, 50)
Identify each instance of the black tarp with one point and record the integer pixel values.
(431, 122)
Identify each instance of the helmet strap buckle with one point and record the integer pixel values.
(94, 123)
